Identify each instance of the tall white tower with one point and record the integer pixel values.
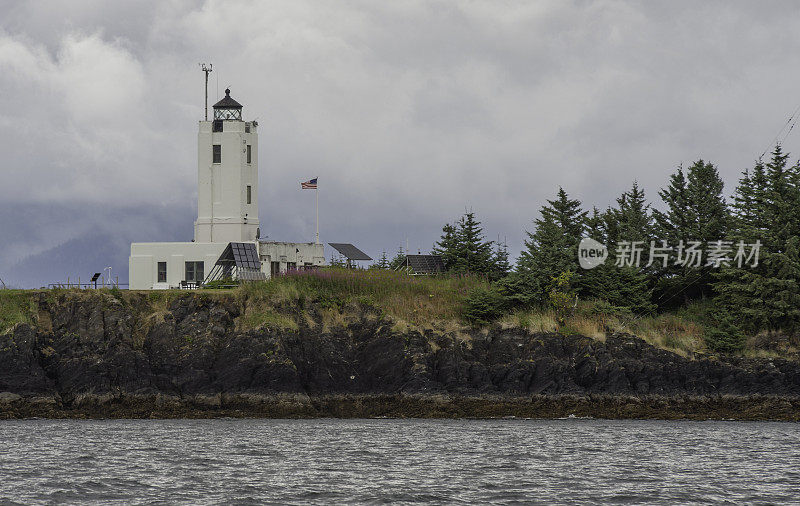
(227, 176)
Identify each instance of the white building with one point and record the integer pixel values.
(227, 211)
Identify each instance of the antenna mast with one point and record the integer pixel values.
(206, 70)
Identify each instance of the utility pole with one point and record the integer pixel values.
(206, 70)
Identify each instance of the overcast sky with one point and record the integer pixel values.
(409, 112)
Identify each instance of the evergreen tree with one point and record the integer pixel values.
(499, 267)
(398, 260)
(708, 213)
(382, 263)
(695, 211)
(475, 253)
(592, 282)
(552, 248)
(448, 247)
(463, 247)
(624, 287)
(634, 221)
(600, 281)
(673, 225)
(766, 296)
(595, 226)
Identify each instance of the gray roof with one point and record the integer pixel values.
(227, 102)
(349, 251)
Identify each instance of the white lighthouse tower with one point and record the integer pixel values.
(227, 230)
(227, 176)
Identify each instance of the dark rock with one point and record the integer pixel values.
(99, 350)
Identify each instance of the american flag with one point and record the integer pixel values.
(311, 184)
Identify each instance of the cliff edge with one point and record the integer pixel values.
(97, 355)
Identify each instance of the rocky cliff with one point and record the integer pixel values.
(97, 355)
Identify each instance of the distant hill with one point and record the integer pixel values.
(77, 257)
(95, 238)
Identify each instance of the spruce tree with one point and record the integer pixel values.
(448, 246)
(625, 287)
(593, 282)
(635, 223)
(382, 263)
(398, 260)
(595, 226)
(765, 297)
(695, 211)
(673, 224)
(500, 267)
(552, 248)
(464, 248)
(475, 251)
(707, 211)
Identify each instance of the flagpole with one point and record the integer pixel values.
(317, 195)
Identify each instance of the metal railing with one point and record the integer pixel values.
(90, 285)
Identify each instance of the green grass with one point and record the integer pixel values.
(413, 299)
(596, 319)
(265, 317)
(16, 306)
(327, 298)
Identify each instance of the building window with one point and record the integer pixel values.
(247, 128)
(249, 194)
(194, 272)
(291, 266)
(249, 153)
(274, 268)
(162, 272)
(216, 126)
(216, 153)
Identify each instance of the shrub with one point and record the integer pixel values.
(483, 305)
(601, 308)
(562, 296)
(521, 289)
(723, 335)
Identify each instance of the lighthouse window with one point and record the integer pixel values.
(249, 153)
(249, 193)
(217, 153)
(162, 272)
(217, 125)
(194, 272)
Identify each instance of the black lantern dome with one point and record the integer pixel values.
(228, 108)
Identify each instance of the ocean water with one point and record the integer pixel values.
(394, 461)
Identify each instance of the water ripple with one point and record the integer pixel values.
(397, 461)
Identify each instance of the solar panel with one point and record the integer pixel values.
(245, 255)
(239, 260)
(425, 264)
(349, 251)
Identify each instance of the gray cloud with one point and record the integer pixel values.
(409, 112)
